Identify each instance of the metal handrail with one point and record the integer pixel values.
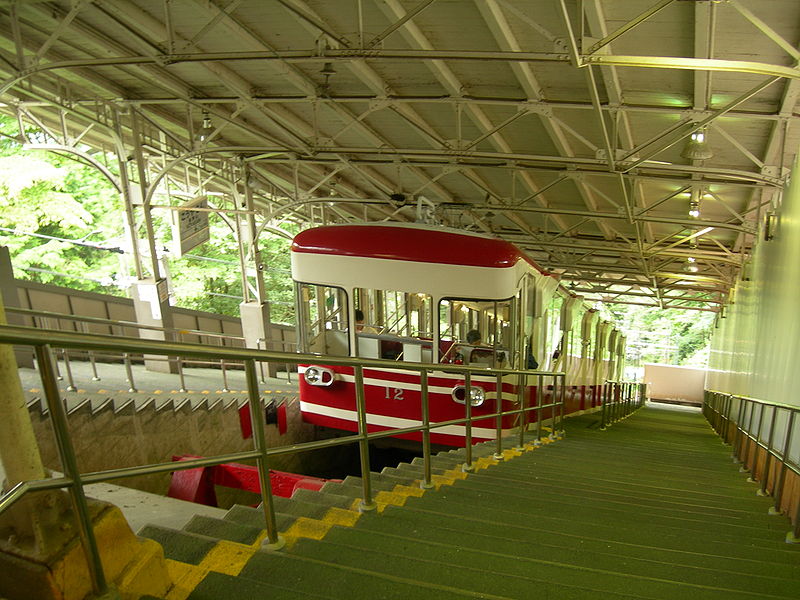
(620, 399)
(117, 323)
(126, 358)
(756, 400)
(43, 340)
(717, 408)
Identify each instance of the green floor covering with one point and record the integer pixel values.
(650, 508)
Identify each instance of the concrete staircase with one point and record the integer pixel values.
(651, 508)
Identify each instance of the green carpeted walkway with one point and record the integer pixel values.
(651, 508)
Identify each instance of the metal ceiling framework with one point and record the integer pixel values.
(556, 124)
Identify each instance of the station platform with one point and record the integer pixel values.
(653, 507)
(200, 383)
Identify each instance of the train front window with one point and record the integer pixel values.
(396, 325)
(322, 315)
(479, 332)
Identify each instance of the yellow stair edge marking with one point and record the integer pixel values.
(455, 473)
(440, 480)
(384, 499)
(305, 527)
(185, 578)
(225, 557)
(484, 462)
(408, 490)
(340, 516)
(148, 573)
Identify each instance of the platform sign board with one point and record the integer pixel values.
(190, 227)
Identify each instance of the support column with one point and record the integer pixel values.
(254, 311)
(150, 294)
(151, 304)
(9, 294)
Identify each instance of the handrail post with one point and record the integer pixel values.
(562, 407)
(426, 483)
(737, 436)
(468, 467)
(754, 469)
(539, 401)
(367, 502)
(765, 478)
(70, 465)
(224, 375)
(126, 357)
(521, 381)
(70, 380)
(744, 468)
(273, 541)
(498, 453)
(90, 354)
(553, 405)
(726, 416)
(777, 491)
(603, 405)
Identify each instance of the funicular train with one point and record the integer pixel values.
(418, 293)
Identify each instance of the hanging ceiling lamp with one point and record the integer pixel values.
(697, 147)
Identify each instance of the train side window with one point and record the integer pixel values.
(322, 315)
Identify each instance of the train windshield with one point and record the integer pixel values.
(478, 332)
(394, 325)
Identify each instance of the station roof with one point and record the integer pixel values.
(562, 126)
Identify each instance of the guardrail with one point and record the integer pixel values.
(74, 480)
(620, 399)
(755, 429)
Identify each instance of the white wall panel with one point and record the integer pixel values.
(756, 346)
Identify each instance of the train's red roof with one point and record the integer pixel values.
(411, 243)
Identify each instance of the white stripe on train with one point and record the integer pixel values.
(415, 387)
(395, 422)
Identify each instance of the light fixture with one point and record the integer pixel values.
(326, 71)
(697, 147)
(694, 209)
(205, 130)
(692, 266)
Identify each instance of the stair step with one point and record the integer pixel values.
(522, 490)
(326, 498)
(448, 505)
(223, 529)
(218, 586)
(343, 581)
(181, 546)
(419, 525)
(254, 517)
(506, 575)
(546, 474)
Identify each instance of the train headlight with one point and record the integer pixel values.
(319, 376)
(477, 395)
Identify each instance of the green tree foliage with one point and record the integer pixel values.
(670, 336)
(52, 197)
(62, 221)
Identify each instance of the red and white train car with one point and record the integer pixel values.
(418, 293)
